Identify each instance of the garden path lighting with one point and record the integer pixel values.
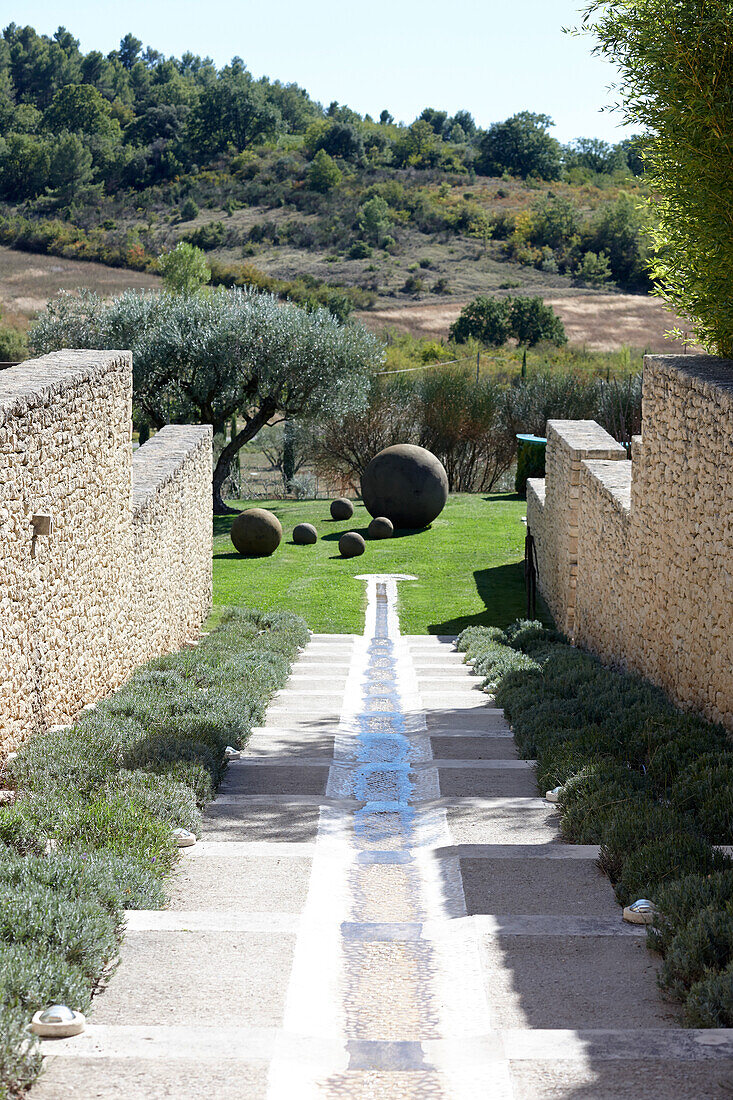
(553, 795)
(640, 912)
(184, 838)
(57, 1022)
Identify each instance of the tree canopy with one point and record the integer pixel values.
(207, 357)
(675, 59)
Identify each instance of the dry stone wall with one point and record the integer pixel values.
(651, 586)
(172, 535)
(72, 623)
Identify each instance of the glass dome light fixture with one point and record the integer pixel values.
(642, 911)
(184, 838)
(554, 794)
(57, 1022)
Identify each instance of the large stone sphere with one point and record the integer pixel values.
(351, 545)
(380, 528)
(342, 508)
(305, 534)
(405, 483)
(256, 532)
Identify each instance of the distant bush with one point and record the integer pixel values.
(184, 269)
(189, 210)
(445, 410)
(207, 237)
(13, 344)
(494, 320)
(323, 172)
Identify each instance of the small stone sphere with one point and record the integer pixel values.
(256, 533)
(405, 483)
(380, 528)
(305, 534)
(351, 545)
(342, 508)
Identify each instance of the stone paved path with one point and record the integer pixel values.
(380, 908)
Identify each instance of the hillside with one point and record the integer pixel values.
(115, 159)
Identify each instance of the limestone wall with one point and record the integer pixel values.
(569, 442)
(71, 625)
(651, 586)
(172, 534)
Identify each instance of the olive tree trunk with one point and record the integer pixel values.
(227, 456)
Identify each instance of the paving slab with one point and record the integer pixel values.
(199, 978)
(269, 779)
(487, 782)
(232, 881)
(150, 1079)
(466, 720)
(540, 885)
(505, 821)
(578, 982)
(258, 821)
(621, 1080)
(474, 748)
(279, 743)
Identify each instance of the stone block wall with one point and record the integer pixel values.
(70, 625)
(569, 442)
(172, 535)
(651, 587)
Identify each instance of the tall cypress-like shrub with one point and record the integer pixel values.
(675, 59)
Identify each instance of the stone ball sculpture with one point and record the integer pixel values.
(351, 545)
(406, 484)
(305, 534)
(256, 532)
(341, 508)
(380, 528)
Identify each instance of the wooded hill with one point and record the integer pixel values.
(117, 157)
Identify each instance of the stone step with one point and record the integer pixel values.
(282, 924)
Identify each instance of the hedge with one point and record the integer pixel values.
(89, 834)
(651, 785)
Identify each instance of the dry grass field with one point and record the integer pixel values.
(28, 280)
(598, 321)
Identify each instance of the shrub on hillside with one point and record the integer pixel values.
(494, 320)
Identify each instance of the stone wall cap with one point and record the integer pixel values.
(586, 437)
(536, 486)
(158, 461)
(33, 380)
(614, 478)
(708, 369)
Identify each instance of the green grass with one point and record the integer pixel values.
(468, 565)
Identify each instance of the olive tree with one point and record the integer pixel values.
(675, 59)
(211, 356)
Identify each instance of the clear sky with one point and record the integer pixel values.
(492, 57)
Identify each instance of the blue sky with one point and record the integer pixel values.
(493, 57)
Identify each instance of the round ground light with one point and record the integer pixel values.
(380, 528)
(256, 532)
(405, 483)
(57, 1022)
(305, 534)
(351, 545)
(342, 508)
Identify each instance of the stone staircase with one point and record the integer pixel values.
(380, 907)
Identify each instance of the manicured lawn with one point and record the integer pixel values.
(468, 565)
